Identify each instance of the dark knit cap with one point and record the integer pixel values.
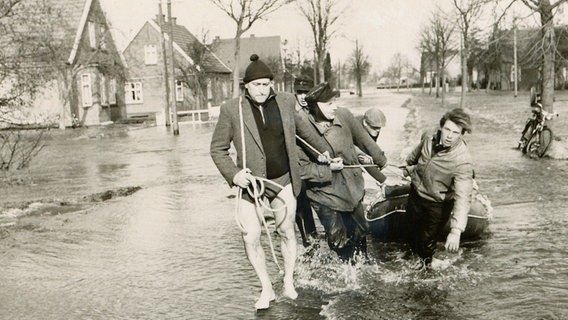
(257, 70)
(303, 83)
(321, 93)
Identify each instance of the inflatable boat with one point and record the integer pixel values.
(386, 214)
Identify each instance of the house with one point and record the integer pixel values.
(200, 82)
(498, 69)
(82, 67)
(269, 49)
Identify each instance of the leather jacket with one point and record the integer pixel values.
(443, 175)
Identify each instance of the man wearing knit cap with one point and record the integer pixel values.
(260, 124)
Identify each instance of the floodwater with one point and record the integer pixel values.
(172, 250)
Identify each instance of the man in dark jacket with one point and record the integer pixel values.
(304, 215)
(261, 126)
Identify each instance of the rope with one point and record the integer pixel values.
(256, 194)
(309, 145)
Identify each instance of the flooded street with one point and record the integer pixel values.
(172, 250)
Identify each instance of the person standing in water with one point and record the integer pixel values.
(304, 214)
(335, 188)
(260, 124)
(441, 172)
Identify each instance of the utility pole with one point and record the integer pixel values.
(515, 75)
(164, 57)
(173, 75)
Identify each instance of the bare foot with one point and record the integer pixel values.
(289, 290)
(263, 301)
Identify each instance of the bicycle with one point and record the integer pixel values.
(536, 136)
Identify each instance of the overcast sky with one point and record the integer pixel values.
(383, 27)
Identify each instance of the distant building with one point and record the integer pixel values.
(269, 49)
(88, 90)
(200, 82)
(498, 69)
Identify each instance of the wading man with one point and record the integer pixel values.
(304, 215)
(336, 187)
(261, 126)
(441, 171)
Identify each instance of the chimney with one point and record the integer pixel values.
(174, 20)
(160, 20)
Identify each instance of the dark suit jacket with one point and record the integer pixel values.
(228, 129)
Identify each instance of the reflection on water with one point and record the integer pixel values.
(172, 250)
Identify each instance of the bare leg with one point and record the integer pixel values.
(255, 253)
(285, 226)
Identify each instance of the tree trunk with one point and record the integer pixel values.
(443, 86)
(549, 49)
(438, 81)
(321, 67)
(359, 87)
(465, 81)
(236, 75)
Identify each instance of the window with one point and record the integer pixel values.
(86, 92)
(150, 54)
(112, 91)
(104, 91)
(179, 91)
(133, 91)
(92, 35)
(103, 37)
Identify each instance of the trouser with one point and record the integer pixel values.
(304, 216)
(426, 220)
(345, 231)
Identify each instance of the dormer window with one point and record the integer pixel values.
(150, 54)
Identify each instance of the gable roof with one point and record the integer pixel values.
(264, 47)
(184, 40)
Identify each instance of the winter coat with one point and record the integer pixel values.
(339, 190)
(443, 176)
(228, 129)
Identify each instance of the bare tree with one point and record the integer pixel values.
(245, 13)
(548, 46)
(396, 68)
(359, 65)
(194, 75)
(322, 15)
(468, 13)
(436, 40)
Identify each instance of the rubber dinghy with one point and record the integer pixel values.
(386, 214)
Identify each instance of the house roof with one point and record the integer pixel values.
(185, 40)
(72, 10)
(264, 47)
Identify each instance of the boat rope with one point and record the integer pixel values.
(309, 145)
(256, 191)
